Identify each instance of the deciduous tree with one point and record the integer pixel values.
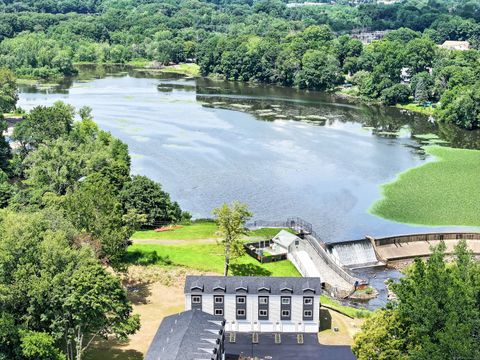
(231, 221)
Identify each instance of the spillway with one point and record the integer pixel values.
(355, 254)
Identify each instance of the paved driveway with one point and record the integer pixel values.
(287, 350)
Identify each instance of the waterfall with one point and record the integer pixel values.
(355, 253)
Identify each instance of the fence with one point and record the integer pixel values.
(426, 237)
(251, 249)
(266, 224)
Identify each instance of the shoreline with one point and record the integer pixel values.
(192, 70)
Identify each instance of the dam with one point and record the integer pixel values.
(335, 261)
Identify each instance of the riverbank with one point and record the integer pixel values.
(441, 192)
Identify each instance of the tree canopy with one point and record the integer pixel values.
(68, 208)
(436, 316)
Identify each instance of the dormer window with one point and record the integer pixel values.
(308, 301)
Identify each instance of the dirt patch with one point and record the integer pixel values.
(347, 328)
(155, 292)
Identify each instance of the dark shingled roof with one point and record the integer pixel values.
(232, 284)
(188, 335)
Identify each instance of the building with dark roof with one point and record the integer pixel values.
(191, 334)
(257, 303)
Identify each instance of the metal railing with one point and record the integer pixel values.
(306, 231)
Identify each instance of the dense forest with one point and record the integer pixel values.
(69, 206)
(68, 200)
(261, 40)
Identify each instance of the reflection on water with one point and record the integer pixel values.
(285, 152)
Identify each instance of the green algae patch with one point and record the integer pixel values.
(445, 191)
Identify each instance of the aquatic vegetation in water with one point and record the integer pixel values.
(441, 192)
(430, 139)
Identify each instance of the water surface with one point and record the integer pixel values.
(281, 151)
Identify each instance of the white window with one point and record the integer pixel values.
(285, 313)
(219, 312)
(240, 312)
(308, 301)
(218, 299)
(241, 299)
(263, 312)
(196, 299)
(307, 313)
(263, 300)
(286, 301)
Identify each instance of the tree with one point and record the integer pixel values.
(396, 94)
(231, 221)
(44, 124)
(347, 48)
(99, 216)
(382, 337)
(461, 106)
(5, 151)
(89, 312)
(147, 197)
(319, 71)
(419, 54)
(39, 346)
(8, 91)
(422, 87)
(52, 293)
(436, 316)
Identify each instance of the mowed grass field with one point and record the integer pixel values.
(445, 191)
(205, 257)
(196, 231)
(190, 250)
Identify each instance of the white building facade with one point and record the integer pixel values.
(257, 304)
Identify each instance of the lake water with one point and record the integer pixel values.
(283, 152)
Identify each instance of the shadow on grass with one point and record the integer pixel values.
(249, 270)
(113, 354)
(138, 293)
(138, 257)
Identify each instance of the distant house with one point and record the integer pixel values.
(283, 240)
(191, 334)
(257, 304)
(307, 3)
(456, 45)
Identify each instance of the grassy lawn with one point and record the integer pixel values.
(205, 257)
(442, 192)
(140, 63)
(417, 108)
(196, 231)
(350, 311)
(185, 69)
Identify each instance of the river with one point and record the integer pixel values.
(282, 151)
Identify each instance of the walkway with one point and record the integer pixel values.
(308, 265)
(414, 249)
